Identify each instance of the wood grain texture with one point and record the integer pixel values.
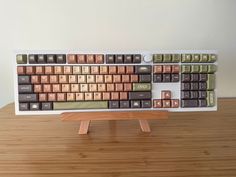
(121, 115)
(201, 144)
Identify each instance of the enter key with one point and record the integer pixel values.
(142, 86)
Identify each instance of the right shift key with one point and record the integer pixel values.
(143, 69)
(140, 95)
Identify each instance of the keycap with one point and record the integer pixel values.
(185, 86)
(60, 58)
(165, 94)
(145, 78)
(141, 86)
(137, 58)
(185, 95)
(157, 58)
(110, 59)
(135, 104)
(211, 68)
(157, 78)
(46, 106)
(186, 68)
(202, 103)
(21, 59)
(202, 94)
(166, 77)
(119, 59)
(212, 58)
(128, 59)
(210, 98)
(113, 104)
(28, 97)
(211, 82)
(34, 106)
(174, 103)
(25, 88)
(146, 103)
(143, 69)
(176, 58)
(80, 105)
(167, 58)
(189, 103)
(32, 59)
(157, 103)
(186, 58)
(23, 79)
(42, 59)
(23, 106)
(124, 104)
(139, 95)
(174, 77)
(195, 58)
(204, 58)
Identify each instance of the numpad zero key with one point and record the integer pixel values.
(57, 82)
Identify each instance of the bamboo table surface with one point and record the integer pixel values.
(184, 145)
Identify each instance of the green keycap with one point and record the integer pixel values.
(203, 69)
(210, 98)
(176, 58)
(194, 68)
(141, 86)
(212, 58)
(157, 58)
(80, 105)
(195, 58)
(186, 68)
(167, 58)
(204, 58)
(211, 82)
(21, 59)
(212, 68)
(186, 58)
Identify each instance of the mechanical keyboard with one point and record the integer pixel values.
(56, 82)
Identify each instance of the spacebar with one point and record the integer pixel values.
(80, 105)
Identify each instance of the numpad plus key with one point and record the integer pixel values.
(57, 82)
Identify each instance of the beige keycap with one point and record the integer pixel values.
(63, 78)
(119, 87)
(106, 95)
(108, 78)
(76, 69)
(114, 95)
(88, 96)
(123, 95)
(39, 70)
(44, 79)
(58, 69)
(90, 78)
(97, 96)
(116, 78)
(61, 97)
(65, 87)
(83, 87)
(99, 59)
(72, 79)
(53, 79)
(85, 70)
(67, 70)
(99, 79)
(81, 78)
(125, 78)
(121, 69)
(79, 96)
(129, 69)
(110, 87)
(43, 97)
(81, 59)
(56, 87)
(127, 87)
(112, 69)
(20, 70)
(47, 88)
(133, 78)
(94, 69)
(70, 96)
(101, 87)
(30, 70)
(35, 79)
(74, 87)
(37, 88)
(90, 59)
(103, 70)
(52, 97)
(93, 87)
(49, 70)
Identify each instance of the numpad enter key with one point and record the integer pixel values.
(56, 82)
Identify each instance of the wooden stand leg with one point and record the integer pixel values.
(84, 126)
(144, 125)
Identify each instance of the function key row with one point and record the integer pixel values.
(184, 58)
(198, 68)
(119, 58)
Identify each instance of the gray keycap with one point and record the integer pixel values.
(175, 78)
(41, 59)
(110, 58)
(28, 97)
(51, 58)
(33, 59)
(119, 59)
(23, 106)
(157, 78)
(143, 69)
(189, 103)
(146, 104)
(137, 58)
(46, 106)
(185, 86)
(202, 77)
(166, 78)
(194, 94)
(185, 77)
(140, 95)
(61, 58)
(202, 94)
(34, 106)
(202, 103)
(25, 88)
(23, 79)
(185, 94)
(128, 59)
(124, 104)
(202, 86)
(113, 104)
(145, 78)
(135, 104)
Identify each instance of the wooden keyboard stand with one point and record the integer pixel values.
(86, 117)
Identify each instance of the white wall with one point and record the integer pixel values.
(118, 25)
